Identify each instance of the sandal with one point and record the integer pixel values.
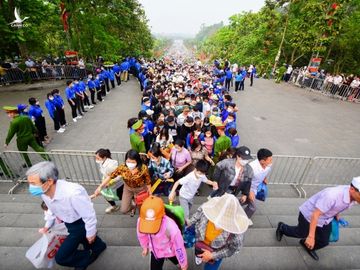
(132, 212)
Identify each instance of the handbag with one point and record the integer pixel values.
(141, 197)
(262, 192)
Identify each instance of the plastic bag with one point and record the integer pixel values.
(334, 235)
(110, 194)
(262, 192)
(42, 253)
(189, 236)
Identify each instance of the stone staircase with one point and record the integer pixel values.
(21, 216)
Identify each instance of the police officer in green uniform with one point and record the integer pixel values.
(136, 139)
(24, 129)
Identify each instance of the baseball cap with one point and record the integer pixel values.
(243, 152)
(356, 182)
(151, 213)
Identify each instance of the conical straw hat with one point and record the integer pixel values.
(226, 213)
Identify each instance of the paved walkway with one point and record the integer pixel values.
(284, 118)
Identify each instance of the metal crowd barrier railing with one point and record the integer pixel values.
(15, 75)
(80, 167)
(339, 91)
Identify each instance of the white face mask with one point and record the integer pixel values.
(269, 166)
(131, 166)
(167, 107)
(98, 161)
(243, 162)
(230, 120)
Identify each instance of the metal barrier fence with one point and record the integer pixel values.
(80, 167)
(15, 75)
(339, 91)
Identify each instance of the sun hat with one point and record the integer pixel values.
(356, 182)
(137, 125)
(10, 109)
(226, 213)
(152, 212)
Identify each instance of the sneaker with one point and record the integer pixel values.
(74, 119)
(91, 107)
(111, 209)
(61, 130)
(78, 117)
(86, 106)
(198, 260)
(250, 223)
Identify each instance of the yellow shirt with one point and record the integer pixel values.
(211, 233)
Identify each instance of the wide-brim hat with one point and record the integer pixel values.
(227, 214)
(137, 125)
(10, 109)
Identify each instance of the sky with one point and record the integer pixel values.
(186, 16)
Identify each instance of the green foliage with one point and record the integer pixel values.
(111, 28)
(311, 27)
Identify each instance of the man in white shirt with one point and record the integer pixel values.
(70, 203)
(261, 168)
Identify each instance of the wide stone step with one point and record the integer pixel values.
(277, 258)
(25, 237)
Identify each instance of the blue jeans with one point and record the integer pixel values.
(213, 266)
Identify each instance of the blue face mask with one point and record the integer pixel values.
(35, 190)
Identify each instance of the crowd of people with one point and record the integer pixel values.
(184, 136)
(345, 86)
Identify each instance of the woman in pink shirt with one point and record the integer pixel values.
(180, 159)
(160, 234)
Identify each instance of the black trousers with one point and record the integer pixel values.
(69, 254)
(103, 90)
(112, 83)
(302, 230)
(237, 85)
(118, 78)
(107, 84)
(80, 105)
(73, 107)
(157, 264)
(41, 127)
(86, 100)
(62, 119)
(227, 84)
(242, 85)
(99, 94)
(56, 120)
(92, 93)
(251, 79)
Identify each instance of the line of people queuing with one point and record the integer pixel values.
(175, 138)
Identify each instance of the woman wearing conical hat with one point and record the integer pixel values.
(220, 224)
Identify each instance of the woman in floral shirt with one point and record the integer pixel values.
(136, 179)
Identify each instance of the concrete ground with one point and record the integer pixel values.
(286, 119)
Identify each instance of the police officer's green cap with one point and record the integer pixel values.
(137, 125)
(10, 109)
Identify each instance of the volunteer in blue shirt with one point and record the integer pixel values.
(125, 66)
(36, 114)
(242, 83)
(54, 114)
(238, 80)
(228, 78)
(71, 98)
(117, 71)
(79, 97)
(112, 77)
(106, 76)
(92, 88)
(86, 100)
(98, 88)
(60, 106)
